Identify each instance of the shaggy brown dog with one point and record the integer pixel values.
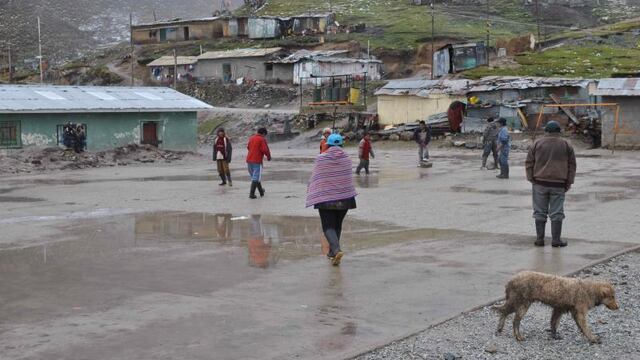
(564, 295)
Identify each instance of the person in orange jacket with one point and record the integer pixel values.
(258, 150)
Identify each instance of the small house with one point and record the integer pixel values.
(285, 68)
(178, 30)
(453, 58)
(625, 93)
(236, 27)
(230, 65)
(410, 100)
(314, 66)
(266, 27)
(35, 115)
(163, 69)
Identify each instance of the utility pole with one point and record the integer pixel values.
(131, 43)
(40, 52)
(10, 67)
(175, 69)
(433, 27)
(488, 33)
(538, 24)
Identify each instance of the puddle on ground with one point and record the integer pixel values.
(466, 189)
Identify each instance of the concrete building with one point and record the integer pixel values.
(625, 93)
(33, 115)
(178, 30)
(254, 64)
(409, 100)
(162, 69)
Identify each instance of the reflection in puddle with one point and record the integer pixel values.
(19, 199)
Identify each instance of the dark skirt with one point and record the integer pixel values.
(346, 204)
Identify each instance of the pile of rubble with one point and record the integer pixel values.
(249, 94)
(55, 158)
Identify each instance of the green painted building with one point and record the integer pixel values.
(110, 116)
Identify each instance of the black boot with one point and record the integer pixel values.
(252, 193)
(540, 227)
(496, 164)
(224, 180)
(229, 180)
(260, 189)
(484, 163)
(556, 232)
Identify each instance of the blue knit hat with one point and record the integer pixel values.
(552, 127)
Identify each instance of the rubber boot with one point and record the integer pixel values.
(229, 180)
(540, 227)
(260, 189)
(484, 163)
(224, 181)
(556, 232)
(252, 193)
(496, 164)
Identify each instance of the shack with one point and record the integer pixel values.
(314, 67)
(308, 24)
(283, 69)
(230, 65)
(625, 93)
(35, 115)
(453, 58)
(519, 100)
(178, 30)
(409, 100)
(163, 69)
(267, 27)
(235, 27)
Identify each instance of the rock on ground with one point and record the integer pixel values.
(472, 335)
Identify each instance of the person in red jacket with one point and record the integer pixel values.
(258, 149)
(364, 151)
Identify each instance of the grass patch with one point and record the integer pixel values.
(572, 61)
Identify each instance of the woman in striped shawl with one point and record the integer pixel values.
(332, 192)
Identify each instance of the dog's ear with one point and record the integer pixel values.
(605, 290)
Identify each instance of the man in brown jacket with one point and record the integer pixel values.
(551, 168)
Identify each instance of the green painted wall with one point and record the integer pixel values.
(177, 131)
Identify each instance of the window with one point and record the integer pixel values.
(9, 133)
(76, 135)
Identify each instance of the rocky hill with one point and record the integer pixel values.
(74, 27)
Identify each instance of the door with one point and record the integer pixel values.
(150, 133)
(186, 33)
(226, 72)
(163, 34)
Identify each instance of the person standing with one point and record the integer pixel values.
(365, 150)
(332, 192)
(422, 136)
(258, 150)
(222, 150)
(504, 147)
(551, 168)
(490, 144)
(323, 140)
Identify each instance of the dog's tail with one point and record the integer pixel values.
(504, 308)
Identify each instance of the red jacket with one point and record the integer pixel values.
(258, 149)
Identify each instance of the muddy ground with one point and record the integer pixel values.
(158, 261)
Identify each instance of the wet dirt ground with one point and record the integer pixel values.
(162, 263)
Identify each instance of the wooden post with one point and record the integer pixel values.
(10, 67)
(40, 52)
(433, 26)
(616, 125)
(131, 44)
(175, 69)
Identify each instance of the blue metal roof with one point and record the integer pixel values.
(93, 99)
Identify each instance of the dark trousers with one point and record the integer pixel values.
(490, 147)
(364, 164)
(332, 228)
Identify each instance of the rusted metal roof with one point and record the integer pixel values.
(238, 53)
(424, 88)
(94, 99)
(617, 87)
(170, 61)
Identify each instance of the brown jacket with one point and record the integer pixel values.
(551, 159)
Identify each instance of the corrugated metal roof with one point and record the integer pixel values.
(90, 99)
(169, 61)
(493, 83)
(424, 88)
(617, 87)
(238, 53)
(175, 22)
(309, 54)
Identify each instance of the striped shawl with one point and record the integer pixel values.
(331, 179)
